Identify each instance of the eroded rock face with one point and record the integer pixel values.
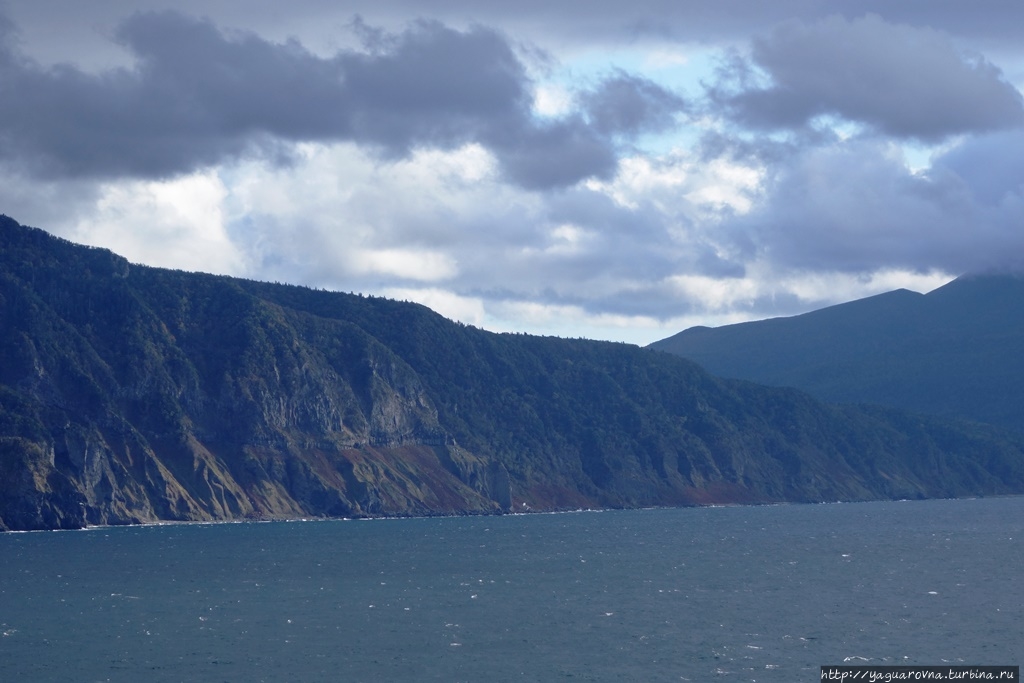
(90, 481)
(264, 446)
(124, 401)
(33, 494)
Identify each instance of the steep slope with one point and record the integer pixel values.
(134, 394)
(130, 402)
(957, 351)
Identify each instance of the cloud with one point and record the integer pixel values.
(855, 206)
(629, 105)
(556, 154)
(495, 162)
(177, 223)
(194, 99)
(432, 85)
(992, 166)
(898, 80)
(197, 96)
(331, 220)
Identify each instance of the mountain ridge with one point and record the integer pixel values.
(134, 394)
(953, 352)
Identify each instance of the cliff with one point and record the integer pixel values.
(133, 394)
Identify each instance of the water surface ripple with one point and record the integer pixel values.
(731, 594)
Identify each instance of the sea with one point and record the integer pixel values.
(769, 593)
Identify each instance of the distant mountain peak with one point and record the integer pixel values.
(956, 351)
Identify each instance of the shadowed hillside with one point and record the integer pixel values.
(135, 394)
(957, 351)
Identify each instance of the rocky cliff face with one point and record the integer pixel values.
(204, 404)
(131, 394)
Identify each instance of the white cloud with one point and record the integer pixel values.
(677, 182)
(563, 240)
(173, 224)
(464, 309)
(727, 185)
(552, 100)
(827, 288)
(716, 294)
(339, 215)
(666, 58)
(561, 320)
(427, 266)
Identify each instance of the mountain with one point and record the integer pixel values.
(135, 394)
(957, 351)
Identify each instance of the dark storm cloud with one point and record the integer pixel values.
(855, 207)
(629, 105)
(198, 96)
(683, 20)
(580, 21)
(620, 107)
(899, 80)
(434, 85)
(194, 99)
(194, 79)
(992, 166)
(554, 154)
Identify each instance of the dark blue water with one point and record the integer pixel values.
(731, 594)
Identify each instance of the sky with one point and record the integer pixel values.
(596, 169)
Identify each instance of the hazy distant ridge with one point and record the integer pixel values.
(957, 351)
